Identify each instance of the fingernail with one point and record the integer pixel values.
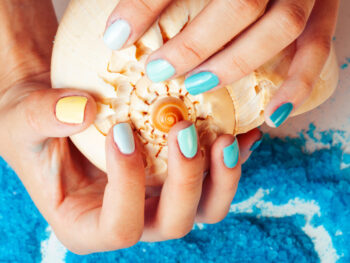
(201, 82)
(159, 70)
(231, 155)
(187, 139)
(281, 114)
(256, 145)
(117, 34)
(71, 109)
(124, 138)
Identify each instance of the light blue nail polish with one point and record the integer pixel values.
(231, 155)
(187, 139)
(256, 145)
(159, 70)
(117, 34)
(281, 114)
(201, 82)
(124, 138)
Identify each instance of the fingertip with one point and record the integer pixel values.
(123, 151)
(58, 112)
(123, 141)
(117, 34)
(277, 114)
(225, 150)
(183, 141)
(249, 142)
(75, 108)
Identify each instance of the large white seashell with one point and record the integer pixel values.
(124, 93)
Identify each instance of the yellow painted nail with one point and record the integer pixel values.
(71, 109)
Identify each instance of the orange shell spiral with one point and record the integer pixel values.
(167, 112)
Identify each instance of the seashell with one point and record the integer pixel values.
(124, 94)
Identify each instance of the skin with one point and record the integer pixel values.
(235, 50)
(91, 211)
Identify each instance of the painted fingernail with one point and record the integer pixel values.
(124, 138)
(187, 139)
(159, 70)
(281, 114)
(256, 145)
(71, 109)
(231, 155)
(201, 82)
(117, 34)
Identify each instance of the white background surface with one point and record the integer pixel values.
(335, 113)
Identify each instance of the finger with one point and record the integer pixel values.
(220, 186)
(278, 28)
(182, 189)
(122, 215)
(313, 49)
(129, 20)
(245, 142)
(54, 113)
(194, 44)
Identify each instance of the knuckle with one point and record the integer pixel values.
(145, 5)
(323, 46)
(212, 219)
(123, 238)
(306, 86)
(29, 114)
(175, 232)
(190, 182)
(241, 66)
(192, 50)
(293, 20)
(252, 8)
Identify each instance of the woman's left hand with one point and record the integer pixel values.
(251, 32)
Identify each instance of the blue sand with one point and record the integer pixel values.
(344, 66)
(282, 166)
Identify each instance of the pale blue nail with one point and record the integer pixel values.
(281, 114)
(124, 138)
(256, 145)
(201, 82)
(231, 155)
(187, 139)
(159, 70)
(117, 34)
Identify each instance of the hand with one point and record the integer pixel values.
(231, 38)
(89, 210)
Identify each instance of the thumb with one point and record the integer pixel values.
(56, 113)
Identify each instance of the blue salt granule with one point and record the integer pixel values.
(284, 168)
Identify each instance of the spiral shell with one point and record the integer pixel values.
(124, 94)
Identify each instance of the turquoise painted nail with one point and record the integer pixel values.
(187, 139)
(281, 114)
(201, 82)
(124, 138)
(231, 155)
(256, 145)
(159, 70)
(117, 34)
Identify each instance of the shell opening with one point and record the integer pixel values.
(168, 111)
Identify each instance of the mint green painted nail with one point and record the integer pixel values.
(231, 155)
(281, 114)
(159, 70)
(187, 139)
(201, 82)
(124, 138)
(117, 34)
(256, 145)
